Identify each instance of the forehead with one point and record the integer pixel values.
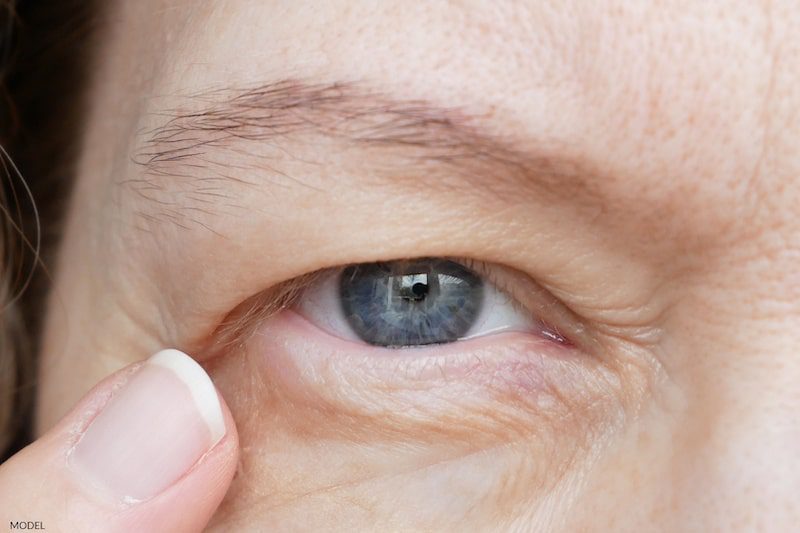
(677, 104)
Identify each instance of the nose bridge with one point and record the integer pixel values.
(760, 467)
(744, 474)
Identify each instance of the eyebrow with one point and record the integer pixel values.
(423, 133)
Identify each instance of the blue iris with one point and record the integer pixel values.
(410, 302)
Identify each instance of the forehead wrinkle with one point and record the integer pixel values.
(419, 132)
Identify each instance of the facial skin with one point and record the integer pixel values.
(632, 166)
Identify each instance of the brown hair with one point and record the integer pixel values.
(44, 55)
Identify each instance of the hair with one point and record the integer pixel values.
(44, 58)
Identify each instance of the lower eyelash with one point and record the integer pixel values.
(512, 363)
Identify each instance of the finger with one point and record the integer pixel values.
(151, 448)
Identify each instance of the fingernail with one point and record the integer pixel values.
(152, 431)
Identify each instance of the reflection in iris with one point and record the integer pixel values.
(412, 302)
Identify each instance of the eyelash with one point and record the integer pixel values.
(559, 325)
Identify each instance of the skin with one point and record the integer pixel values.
(675, 254)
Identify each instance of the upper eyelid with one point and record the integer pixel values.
(461, 161)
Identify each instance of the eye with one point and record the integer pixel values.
(413, 302)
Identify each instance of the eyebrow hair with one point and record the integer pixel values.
(418, 129)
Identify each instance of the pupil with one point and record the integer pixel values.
(419, 290)
(410, 303)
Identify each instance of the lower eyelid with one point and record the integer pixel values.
(510, 395)
(449, 358)
(505, 376)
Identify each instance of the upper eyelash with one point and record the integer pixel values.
(241, 323)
